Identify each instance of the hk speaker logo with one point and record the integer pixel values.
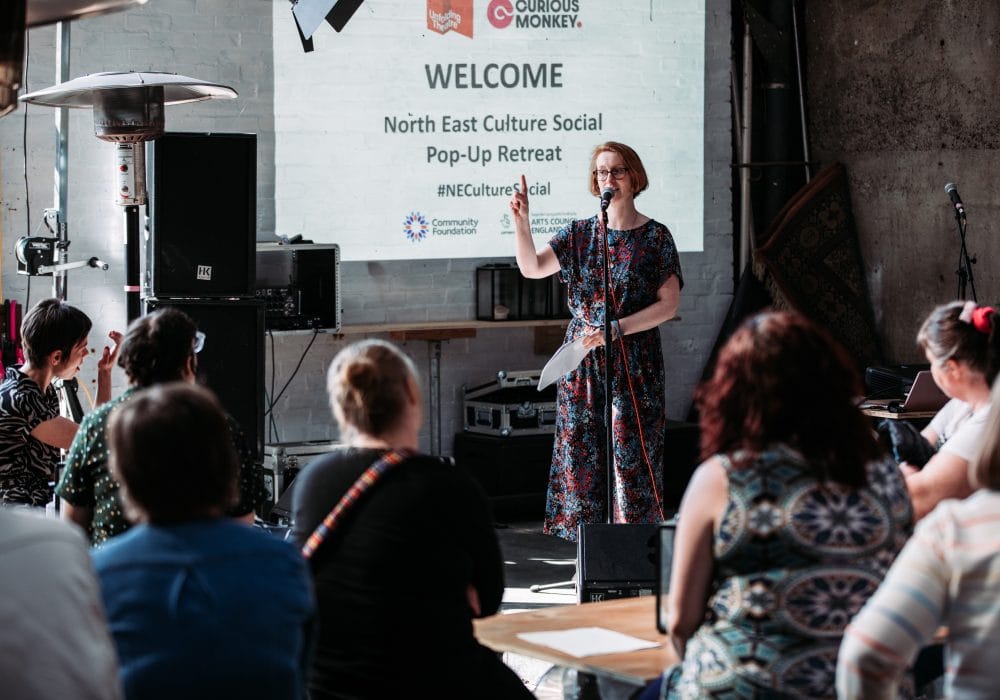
(444, 16)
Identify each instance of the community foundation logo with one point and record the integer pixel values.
(415, 227)
(444, 16)
(534, 14)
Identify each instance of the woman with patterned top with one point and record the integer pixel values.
(788, 526)
(54, 337)
(645, 291)
(159, 348)
(961, 342)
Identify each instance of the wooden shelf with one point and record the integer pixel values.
(444, 330)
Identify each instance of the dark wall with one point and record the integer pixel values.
(905, 94)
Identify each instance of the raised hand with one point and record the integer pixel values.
(110, 354)
(519, 202)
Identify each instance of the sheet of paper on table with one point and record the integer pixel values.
(588, 641)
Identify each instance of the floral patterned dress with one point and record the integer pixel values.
(795, 560)
(642, 259)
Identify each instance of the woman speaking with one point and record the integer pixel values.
(645, 289)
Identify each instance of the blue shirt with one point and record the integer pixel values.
(207, 609)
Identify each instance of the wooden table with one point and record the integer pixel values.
(632, 616)
(879, 408)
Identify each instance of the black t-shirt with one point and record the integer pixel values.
(391, 581)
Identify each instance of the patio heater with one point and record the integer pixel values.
(128, 111)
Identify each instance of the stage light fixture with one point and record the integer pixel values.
(309, 14)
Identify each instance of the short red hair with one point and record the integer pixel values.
(636, 171)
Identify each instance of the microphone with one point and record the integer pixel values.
(955, 199)
(607, 194)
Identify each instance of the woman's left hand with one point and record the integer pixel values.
(594, 340)
(110, 354)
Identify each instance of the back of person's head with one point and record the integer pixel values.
(984, 471)
(368, 387)
(965, 332)
(172, 452)
(49, 326)
(636, 170)
(157, 346)
(783, 379)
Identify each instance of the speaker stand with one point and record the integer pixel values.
(539, 587)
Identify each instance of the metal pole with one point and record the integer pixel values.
(131, 160)
(746, 212)
(61, 179)
(802, 97)
(434, 379)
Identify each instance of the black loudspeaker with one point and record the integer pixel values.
(680, 459)
(231, 363)
(513, 471)
(203, 215)
(617, 561)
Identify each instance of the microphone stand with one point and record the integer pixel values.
(964, 271)
(608, 358)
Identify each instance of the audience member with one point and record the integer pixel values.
(200, 606)
(789, 524)
(948, 574)
(961, 343)
(407, 563)
(54, 640)
(54, 338)
(158, 348)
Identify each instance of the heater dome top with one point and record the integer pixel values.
(87, 90)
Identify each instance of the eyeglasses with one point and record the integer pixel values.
(199, 341)
(616, 173)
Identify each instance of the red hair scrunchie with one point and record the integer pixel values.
(982, 319)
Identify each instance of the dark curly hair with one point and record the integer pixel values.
(157, 346)
(782, 379)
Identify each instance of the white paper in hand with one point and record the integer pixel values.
(563, 361)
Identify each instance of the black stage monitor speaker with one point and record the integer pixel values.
(231, 363)
(616, 561)
(203, 215)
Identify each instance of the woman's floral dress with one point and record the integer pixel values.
(642, 259)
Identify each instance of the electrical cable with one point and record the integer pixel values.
(272, 424)
(297, 366)
(273, 401)
(635, 403)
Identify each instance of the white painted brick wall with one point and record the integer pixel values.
(229, 41)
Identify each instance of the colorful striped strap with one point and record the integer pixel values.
(368, 479)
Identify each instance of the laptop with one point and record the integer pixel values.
(924, 396)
